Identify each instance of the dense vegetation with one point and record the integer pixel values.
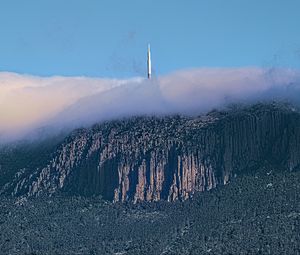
(25, 156)
(257, 213)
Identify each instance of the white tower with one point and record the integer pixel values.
(149, 62)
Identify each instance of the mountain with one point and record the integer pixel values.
(156, 158)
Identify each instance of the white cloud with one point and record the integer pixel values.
(28, 102)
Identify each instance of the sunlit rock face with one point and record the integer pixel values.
(170, 158)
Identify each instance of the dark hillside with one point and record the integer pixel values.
(253, 214)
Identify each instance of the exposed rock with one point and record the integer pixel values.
(170, 158)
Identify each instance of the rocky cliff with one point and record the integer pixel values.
(170, 158)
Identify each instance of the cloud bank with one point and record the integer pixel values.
(29, 102)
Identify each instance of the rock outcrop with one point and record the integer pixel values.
(170, 158)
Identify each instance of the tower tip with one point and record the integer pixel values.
(149, 62)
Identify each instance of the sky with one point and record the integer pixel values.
(109, 38)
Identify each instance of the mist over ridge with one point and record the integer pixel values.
(30, 102)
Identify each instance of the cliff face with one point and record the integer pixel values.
(151, 158)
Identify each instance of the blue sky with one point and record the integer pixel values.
(109, 38)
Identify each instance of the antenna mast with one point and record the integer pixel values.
(149, 62)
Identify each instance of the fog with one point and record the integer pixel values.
(28, 103)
